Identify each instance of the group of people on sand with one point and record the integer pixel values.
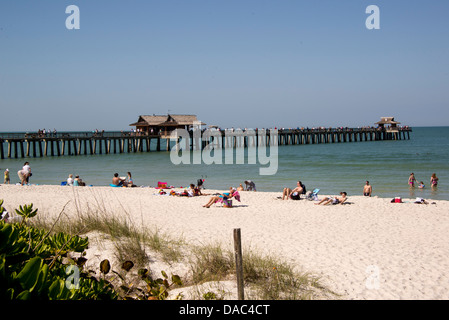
(233, 193)
(75, 182)
(249, 186)
(412, 180)
(123, 182)
(192, 191)
(300, 189)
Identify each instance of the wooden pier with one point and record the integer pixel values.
(22, 145)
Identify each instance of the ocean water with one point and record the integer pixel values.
(332, 167)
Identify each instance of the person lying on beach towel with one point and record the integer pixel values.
(420, 201)
(334, 200)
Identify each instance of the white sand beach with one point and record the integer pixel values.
(368, 248)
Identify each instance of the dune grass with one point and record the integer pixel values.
(266, 277)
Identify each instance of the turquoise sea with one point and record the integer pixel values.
(330, 167)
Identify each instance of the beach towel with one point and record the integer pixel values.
(163, 185)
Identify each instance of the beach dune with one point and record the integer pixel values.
(368, 248)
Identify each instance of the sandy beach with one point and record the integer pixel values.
(368, 248)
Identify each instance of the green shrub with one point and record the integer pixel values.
(35, 264)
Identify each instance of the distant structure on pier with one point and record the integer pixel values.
(164, 124)
(389, 124)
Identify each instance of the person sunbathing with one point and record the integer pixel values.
(294, 194)
(225, 196)
(334, 200)
(193, 191)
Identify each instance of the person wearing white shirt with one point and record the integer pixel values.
(70, 180)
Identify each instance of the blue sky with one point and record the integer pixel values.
(233, 63)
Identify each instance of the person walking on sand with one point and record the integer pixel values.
(412, 180)
(433, 181)
(367, 189)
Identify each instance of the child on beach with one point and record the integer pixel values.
(7, 179)
(421, 185)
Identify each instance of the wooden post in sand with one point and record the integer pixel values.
(238, 263)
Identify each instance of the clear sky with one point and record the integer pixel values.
(240, 63)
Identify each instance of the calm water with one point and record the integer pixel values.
(329, 167)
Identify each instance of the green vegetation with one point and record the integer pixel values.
(35, 264)
(46, 261)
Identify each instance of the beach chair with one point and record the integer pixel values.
(313, 195)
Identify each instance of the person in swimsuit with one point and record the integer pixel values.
(433, 181)
(117, 181)
(130, 182)
(294, 194)
(334, 200)
(367, 189)
(412, 180)
(225, 196)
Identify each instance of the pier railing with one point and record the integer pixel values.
(34, 144)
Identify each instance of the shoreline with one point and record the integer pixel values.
(368, 248)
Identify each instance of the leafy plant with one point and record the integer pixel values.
(157, 289)
(26, 212)
(32, 264)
